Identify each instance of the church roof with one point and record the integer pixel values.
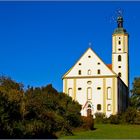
(95, 58)
(120, 31)
(109, 66)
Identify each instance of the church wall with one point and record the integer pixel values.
(99, 95)
(81, 90)
(122, 95)
(110, 83)
(108, 101)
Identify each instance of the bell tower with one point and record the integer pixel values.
(120, 56)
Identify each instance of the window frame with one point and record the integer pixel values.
(120, 74)
(99, 107)
(119, 58)
(119, 42)
(79, 72)
(89, 72)
(98, 71)
(89, 93)
(71, 92)
(109, 107)
(109, 97)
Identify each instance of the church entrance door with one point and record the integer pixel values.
(89, 112)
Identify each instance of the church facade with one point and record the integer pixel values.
(101, 87)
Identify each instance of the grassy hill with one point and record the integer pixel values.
(108, 131)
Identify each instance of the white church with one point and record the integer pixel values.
(101, 87)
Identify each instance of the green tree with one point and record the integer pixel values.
(10, 104)
(136, 86)
(38, 112)
(135, 94)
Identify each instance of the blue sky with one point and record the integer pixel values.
(40, 41)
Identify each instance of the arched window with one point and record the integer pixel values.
(119, 42)
(89, 106)
(119, 58)
(89, 72)
(98, 107)
(119, 74)
(89, 93)
(98, 71)
(109, 93)
(109, 107)
(79, 72)
(70, 92)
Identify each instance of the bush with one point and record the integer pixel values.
(100, 117)
(114, 119)
(88, 123)
(66, 129)
(38, 112)
(137, 119)
(130, 115)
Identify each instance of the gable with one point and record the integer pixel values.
(89, 64)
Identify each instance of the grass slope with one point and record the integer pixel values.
(108, 131)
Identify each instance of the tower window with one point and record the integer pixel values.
(98, 71)
(119, 74)
(89, 72)
(119, 58)
(79, 63)
(98, 63)
(98, 106)
(89, 56)
(119, 49)
(119, 42)
(119, 66)
(79, 72)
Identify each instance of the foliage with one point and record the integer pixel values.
(136, 86)
(137, 119)
(88, 123)
(135, 98)
(115, 119)
(35, 112)
(130, 115)
(99, 117)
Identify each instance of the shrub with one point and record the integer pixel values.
(66, 129)
(88, 123)
(100, 117)
(114, 119)
(130, 115)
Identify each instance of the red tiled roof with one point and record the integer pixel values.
(109, 66)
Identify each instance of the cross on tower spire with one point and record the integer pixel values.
(120, 22)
